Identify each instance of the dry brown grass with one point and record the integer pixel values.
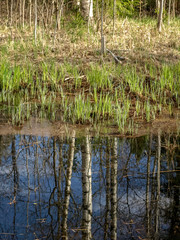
(138, 41)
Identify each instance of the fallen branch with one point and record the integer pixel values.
(116, 58)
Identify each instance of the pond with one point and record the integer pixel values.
(89, 187)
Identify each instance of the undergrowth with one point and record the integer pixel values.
(64, 77)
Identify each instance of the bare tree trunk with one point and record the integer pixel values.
(20, 12)
(174, 8)
(103, 41)
(160, 16)
(169, 12)
(157, 5)
(30, 13)
(23, 12)
(114, 15)
(52, 13)
(68, 187)
(59, 8)
(90, 15)
(35, 21)
(87, 9)
(11, 9)
(7, 7)
(87, 190)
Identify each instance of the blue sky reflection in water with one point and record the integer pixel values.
(89, 187)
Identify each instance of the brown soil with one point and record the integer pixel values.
(46, 128)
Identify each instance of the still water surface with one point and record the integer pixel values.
(89, 187)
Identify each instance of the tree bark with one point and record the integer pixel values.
(35, 21)
(23, 12)
(87, 9)
(160, 16)
(169, 12)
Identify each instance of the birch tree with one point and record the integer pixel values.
(87, 9)
(160, 16)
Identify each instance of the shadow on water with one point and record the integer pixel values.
(89, 187)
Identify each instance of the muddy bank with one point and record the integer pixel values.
(44, 127)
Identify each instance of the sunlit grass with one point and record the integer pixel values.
(46, 80)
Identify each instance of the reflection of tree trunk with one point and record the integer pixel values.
(68, 187)
(16, 175)
(27, 169)
(51, 199)
(174, 229)
(37, 181)
(16, 178)
(87, 190)
(158, 185)
(59, 186)
(107, 191)
(148, 186)
(114, 191)
(54, 161)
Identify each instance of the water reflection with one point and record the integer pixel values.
(89, 187)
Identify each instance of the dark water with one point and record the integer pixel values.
(89, 187)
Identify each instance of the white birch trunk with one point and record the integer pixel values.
(87, 9)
